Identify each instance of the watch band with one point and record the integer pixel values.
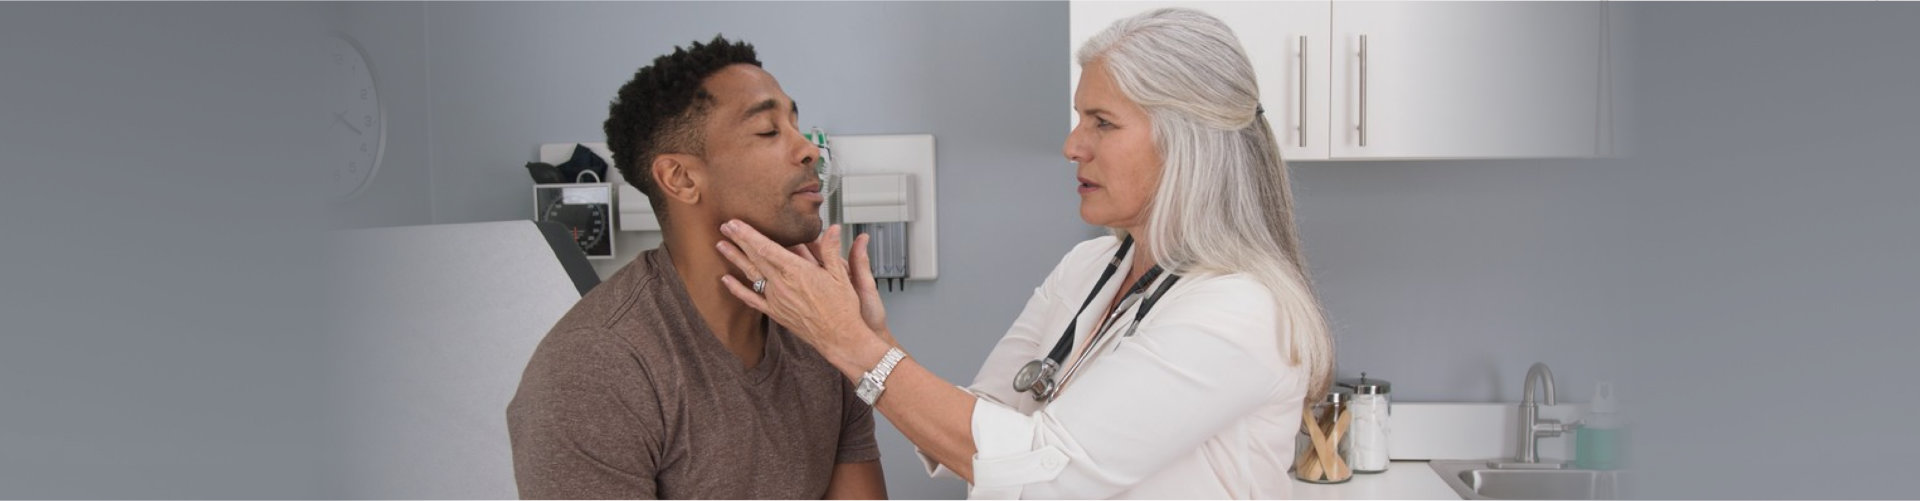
(875, 381)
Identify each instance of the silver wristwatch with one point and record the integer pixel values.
(875, 381)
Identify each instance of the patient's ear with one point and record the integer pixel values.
(679, 177)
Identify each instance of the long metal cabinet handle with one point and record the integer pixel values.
(1363, 90)
(1303, 91)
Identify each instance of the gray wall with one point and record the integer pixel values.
(156, 308)
(1767, 247)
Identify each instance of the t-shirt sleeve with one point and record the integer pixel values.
(857, 444)
(586, 421)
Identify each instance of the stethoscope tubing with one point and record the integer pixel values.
(1044, 385)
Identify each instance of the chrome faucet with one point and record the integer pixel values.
(1531, 427)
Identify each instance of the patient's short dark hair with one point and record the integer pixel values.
(661, 109)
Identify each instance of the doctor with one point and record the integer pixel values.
(1171, 360)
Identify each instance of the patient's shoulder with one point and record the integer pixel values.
(640, 301)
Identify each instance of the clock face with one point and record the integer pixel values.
(588, 223)
(358, 124)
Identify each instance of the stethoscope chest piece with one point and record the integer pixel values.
(1037, 377)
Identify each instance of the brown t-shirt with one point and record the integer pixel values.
(631, 396)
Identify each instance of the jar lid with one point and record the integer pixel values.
(1365, 385)
(1338, 395)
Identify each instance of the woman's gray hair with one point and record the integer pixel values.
(1224, 204)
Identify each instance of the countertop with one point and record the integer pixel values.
(1402, 480)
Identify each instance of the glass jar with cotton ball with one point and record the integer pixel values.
(1372, 411)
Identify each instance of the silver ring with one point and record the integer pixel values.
(760, 286)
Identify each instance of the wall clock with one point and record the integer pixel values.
(358, 125)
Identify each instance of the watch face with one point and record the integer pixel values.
(358, 122)
(588, 223)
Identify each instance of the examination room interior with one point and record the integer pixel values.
(1737, 255)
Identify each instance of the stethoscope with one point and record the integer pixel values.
(1039, 376)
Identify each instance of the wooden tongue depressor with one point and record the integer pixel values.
(1340, 468)
(1316, 448)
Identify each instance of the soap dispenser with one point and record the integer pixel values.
(1598, 442)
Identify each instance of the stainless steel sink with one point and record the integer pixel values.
(1484, 480)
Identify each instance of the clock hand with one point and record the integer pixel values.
(342, 118)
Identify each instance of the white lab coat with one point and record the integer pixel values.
(1200, 402)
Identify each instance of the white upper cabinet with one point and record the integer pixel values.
(1466, 79)
(1410, 80)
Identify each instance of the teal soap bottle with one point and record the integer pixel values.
(1600, 441)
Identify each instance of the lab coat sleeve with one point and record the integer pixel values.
(1200, 362)
(994, 384)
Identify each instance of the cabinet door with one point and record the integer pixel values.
(1465, 79)
(1287, 43)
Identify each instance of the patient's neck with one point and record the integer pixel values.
(700, 266)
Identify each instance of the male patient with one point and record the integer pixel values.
(660, 384)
